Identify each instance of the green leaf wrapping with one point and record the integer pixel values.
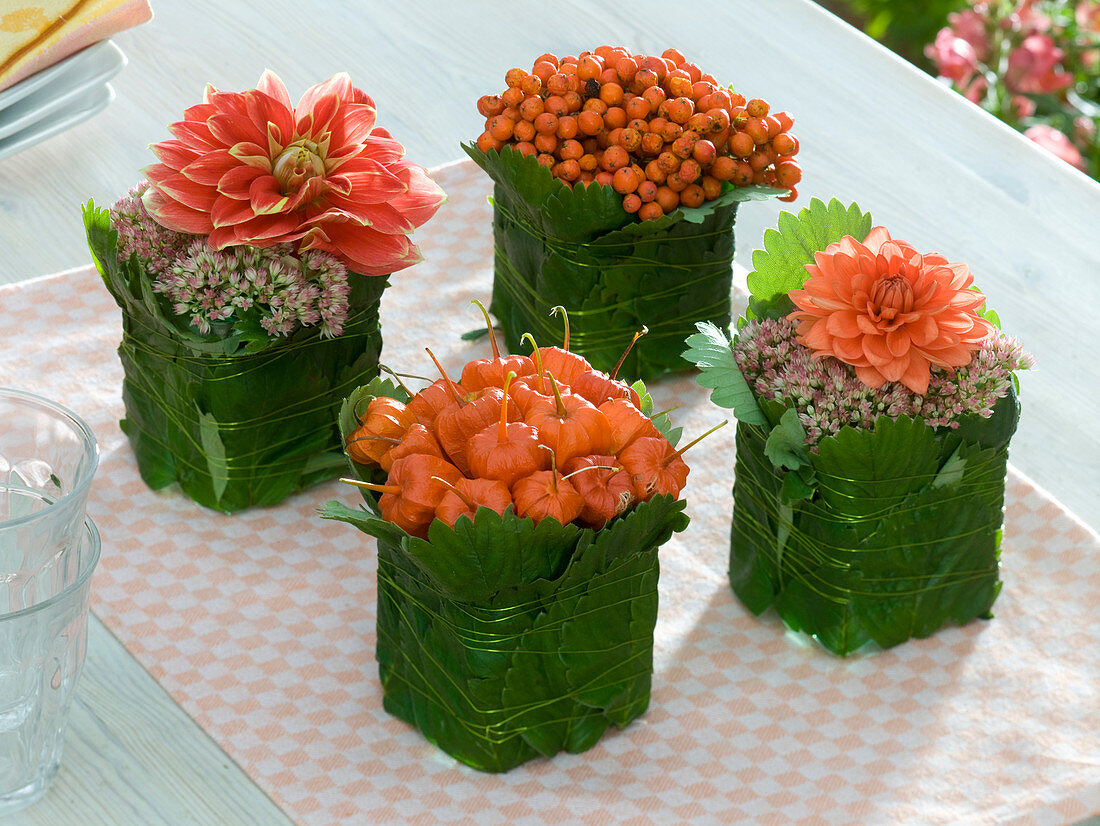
(502, 640)
(236, 422)
(577, 247)
(901, 538)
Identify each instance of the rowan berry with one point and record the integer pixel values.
(625, 180)
(692, 196)
(667, 199)
(546, 143)
(567, 127)
(490, 105)
(647, 191)
(723, 167)
(650, 212)
(757, 108)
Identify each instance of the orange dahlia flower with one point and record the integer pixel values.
(889, 311)
(251, 168)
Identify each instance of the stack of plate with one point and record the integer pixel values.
(60, 96)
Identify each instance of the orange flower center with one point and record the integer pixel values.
(890, 297)
(297, 164)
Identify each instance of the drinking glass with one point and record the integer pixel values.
(48, 550)
(42, 648)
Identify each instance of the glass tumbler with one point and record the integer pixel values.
(42, 648)
(48, 457)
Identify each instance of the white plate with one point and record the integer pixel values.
(60, 90)
(83, 108)
(29, 84)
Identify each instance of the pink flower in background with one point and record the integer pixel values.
(1026, 18)
(1022, 107)
(889, 311)
(954, 57)
(251, 168)
(1034, 68)
(971, 27)
(1056, 143)
(976, 89)
(1087, 15)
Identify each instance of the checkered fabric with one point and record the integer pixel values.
(261, 626)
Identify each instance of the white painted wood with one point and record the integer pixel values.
(936, 170)
(134, 758)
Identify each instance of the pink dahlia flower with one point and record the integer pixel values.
(889, 311)
(252, 168)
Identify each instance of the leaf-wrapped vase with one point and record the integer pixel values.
(503, 640)
(863, 512)
(235, 424)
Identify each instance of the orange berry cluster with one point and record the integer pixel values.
(657, 129)
(549, 437)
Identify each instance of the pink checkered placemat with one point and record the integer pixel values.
(261, 626)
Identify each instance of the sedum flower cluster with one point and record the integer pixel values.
(277, 289)
(829, 396)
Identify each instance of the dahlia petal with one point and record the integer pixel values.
(368, 251)
(264, 230)
(870, 376)
(194, 134)
(252, 154)
(382, 149)
(866, 325)
(916, 374)
(818, 338)
(876, 238)
(229, 211)
(229, 129)
(876, 351)
(199, 112)
(422, 198)
(175, 186)
(270, 84)
(354, 123)
(265, 196)
(894, 369)
(381, 217)
(339, 185)
(271, 118)
(315, 122)
(174, 215)
(844, 323)
(897, 342)
(339, 85)
(208, 169)
(237, 182)
(371, 182)
(175, 154)
(955, 355)
(849, 350)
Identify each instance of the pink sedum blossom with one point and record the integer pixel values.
(828, 395)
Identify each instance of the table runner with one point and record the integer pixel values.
(261, 626)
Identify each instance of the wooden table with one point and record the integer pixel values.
(936, 170)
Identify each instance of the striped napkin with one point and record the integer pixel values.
(38, 33)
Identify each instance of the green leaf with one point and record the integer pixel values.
(710, 351)
(215, 454)
(474, 335)
(780, 266)
(786, 444)
(951, 472)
